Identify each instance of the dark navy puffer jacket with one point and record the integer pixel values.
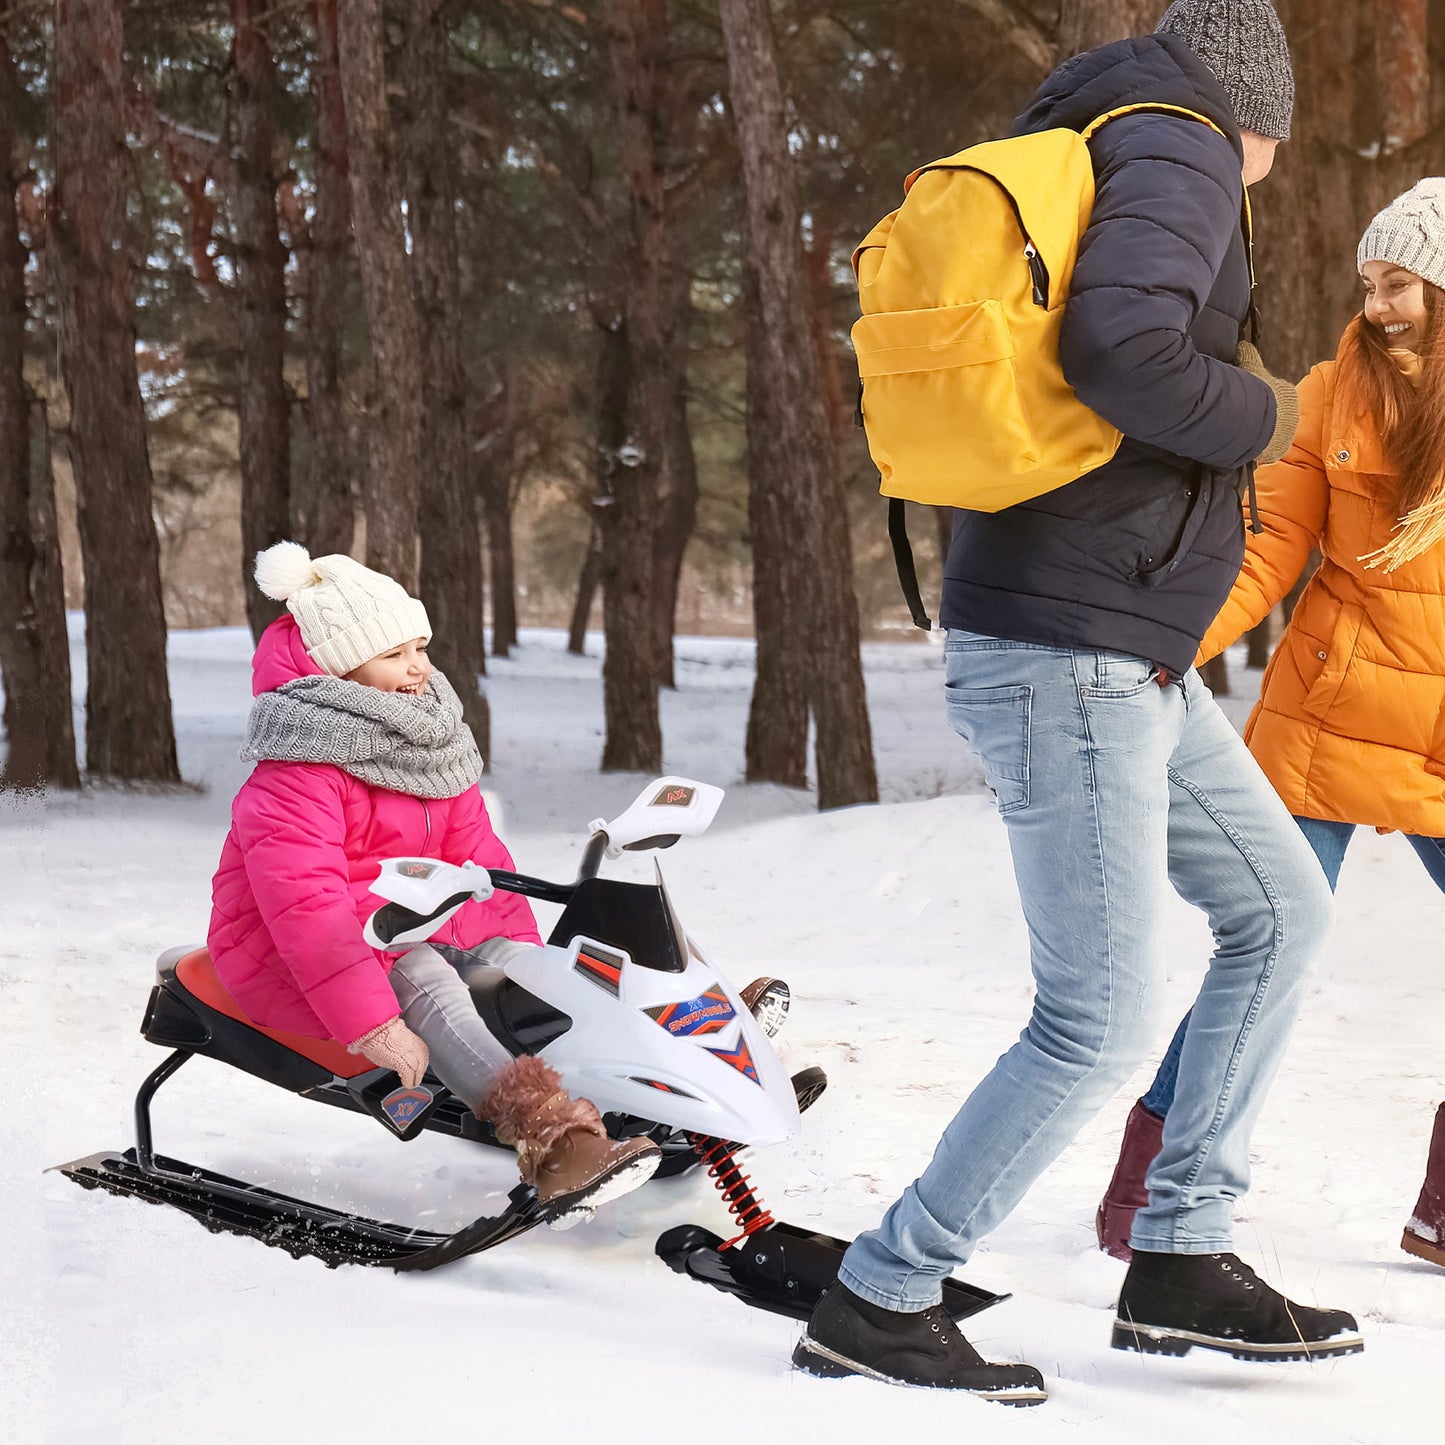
(1138, 555)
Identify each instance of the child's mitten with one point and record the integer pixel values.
(394, 1046)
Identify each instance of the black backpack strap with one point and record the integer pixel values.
(903, 561)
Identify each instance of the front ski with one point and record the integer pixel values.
(295, 1225)
(784, 1269)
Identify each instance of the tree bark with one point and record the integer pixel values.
(129, 732)
(49, 589)
(394, 415)
(588, 580)
(451, 544)
(498, 503)
(325, 510)
(638, 32)
(800, 531)
(677, 516)
(1215, 675)
(263, 403)
(40, 739)
(1086, 24)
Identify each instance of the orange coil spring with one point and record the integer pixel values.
(730, 1181)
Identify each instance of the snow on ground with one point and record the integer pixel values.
(899, 931)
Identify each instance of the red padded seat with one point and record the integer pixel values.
(198, 976)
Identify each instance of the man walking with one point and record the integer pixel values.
(1073, 621)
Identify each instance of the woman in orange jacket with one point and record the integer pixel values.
(1350, 723)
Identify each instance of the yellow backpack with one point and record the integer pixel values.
(962, 291)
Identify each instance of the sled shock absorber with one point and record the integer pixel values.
(736, 1189)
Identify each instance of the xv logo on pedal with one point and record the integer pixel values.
(402, 1106)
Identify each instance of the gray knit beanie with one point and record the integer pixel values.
(1243, 43)
(1410, 232)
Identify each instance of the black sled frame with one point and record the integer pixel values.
(279, 1220)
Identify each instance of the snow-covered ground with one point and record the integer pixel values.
(899, 931)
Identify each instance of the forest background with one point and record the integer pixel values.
(540, 307)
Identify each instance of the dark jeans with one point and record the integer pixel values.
(1329, 840)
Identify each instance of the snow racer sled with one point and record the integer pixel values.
(620, 1001)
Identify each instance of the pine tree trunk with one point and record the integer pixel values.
(129, 732)
(588, 581)
(49, 592)
(32, 711)
(790, 440)
(677, 515)
(1086, 24)
(496, 487)
(1260, 641)
(263, 403)
(637, 34)
(451, 545)
(325, 513)
(394, 415)
(498, 502)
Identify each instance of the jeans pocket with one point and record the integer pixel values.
(994, 721)
(1119, 675)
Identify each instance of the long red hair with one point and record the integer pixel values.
(1410, 418)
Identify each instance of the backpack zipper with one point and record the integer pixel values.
(1039, 273)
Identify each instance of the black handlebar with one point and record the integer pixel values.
(396, 919)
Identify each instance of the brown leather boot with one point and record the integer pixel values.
(1424, 1235)
(1126, 1194)
(562, 1147)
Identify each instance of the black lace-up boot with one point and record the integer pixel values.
(1172, 1302)
(850, 1336)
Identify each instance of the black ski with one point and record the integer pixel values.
(784, 1269)
(300, 1228)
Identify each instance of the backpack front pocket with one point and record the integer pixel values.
(941, 403)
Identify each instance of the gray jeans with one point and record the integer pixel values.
(435, 1003)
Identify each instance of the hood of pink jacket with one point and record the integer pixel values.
(281, 657)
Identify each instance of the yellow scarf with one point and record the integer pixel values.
(1423, 526)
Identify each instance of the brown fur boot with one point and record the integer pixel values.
(562, 1147)
(1424, 1235)
(1126, 1194)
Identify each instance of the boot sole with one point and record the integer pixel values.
(1157, 1340)
(574, 1209)
(1422, 1248)
(815, 1359)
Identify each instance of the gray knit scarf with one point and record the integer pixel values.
(416, 745)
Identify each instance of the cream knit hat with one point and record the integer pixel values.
(346, 612)
(1410, 232)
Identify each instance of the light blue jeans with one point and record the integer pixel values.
(1329, 840)
(1112, 788)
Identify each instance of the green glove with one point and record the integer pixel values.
(1286, 403)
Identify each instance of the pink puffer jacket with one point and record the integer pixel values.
(292, 891)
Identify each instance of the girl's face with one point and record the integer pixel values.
(1395, 302)
(398, 669)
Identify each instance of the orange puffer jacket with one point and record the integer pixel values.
(1350, 725)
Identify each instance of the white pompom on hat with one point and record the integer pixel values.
(347, 613)
(1410, 232)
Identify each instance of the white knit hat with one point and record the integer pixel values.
(346, 612)
(1410, 232)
